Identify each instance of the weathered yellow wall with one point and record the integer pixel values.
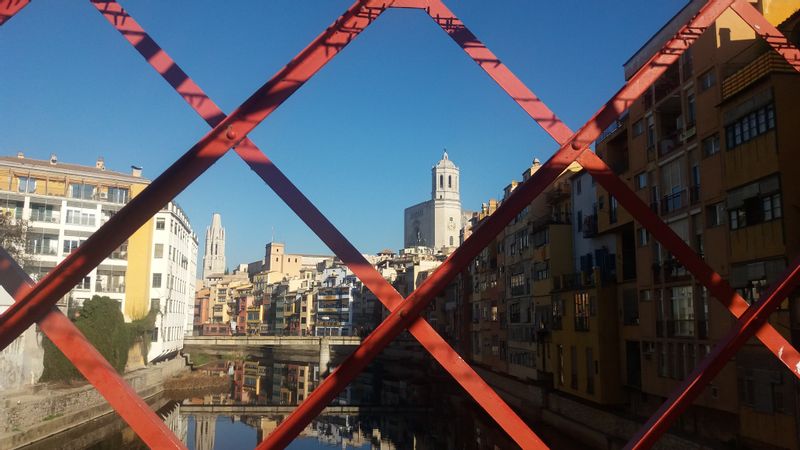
(757, 241)
(137, 276)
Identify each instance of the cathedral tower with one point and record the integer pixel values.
(214, 257)
(436, 223)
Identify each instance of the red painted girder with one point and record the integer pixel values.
(74, 345)
(228, 133)
(403, 316)
(287, 191)
(683, 396)
(768, 32)
(8, 8)
(493, 225)
(492, 65)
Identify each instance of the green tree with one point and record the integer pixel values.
(13, 238)
(101, 321)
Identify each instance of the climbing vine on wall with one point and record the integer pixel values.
(103, 324)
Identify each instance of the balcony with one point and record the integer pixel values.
(667, 83)
(674, 271)
(675, 202)
(766, 63)
(669, 143)
(45, 216)
(39, 251)
(113, 289)
(675, 328)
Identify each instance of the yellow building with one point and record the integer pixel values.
(711, 147)
(64, 204)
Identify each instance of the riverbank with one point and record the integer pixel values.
(29, 415)
(592, 426)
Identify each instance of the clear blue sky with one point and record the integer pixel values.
(359, 139)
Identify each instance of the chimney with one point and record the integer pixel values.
(20, 155)
(53, 158)
(136, 171)
(100, 163)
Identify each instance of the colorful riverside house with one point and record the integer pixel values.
(712, 148)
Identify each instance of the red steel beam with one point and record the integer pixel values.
(753, 319)
(74, 345)
(768, 32)
(461, 257)
(8, 8)
(403, 316)
(228, 133)
(318, 223)
(498, 71)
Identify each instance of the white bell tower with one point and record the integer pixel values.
(444, 182)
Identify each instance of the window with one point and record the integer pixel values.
(771, 207)
(750, 126)
(683, 311)
(118, 195)
(578, 187)
(519, 284)
(159, 251)
(630, 307)
(645, 295)
(160, 224)
(514, 313)
(77, 217)
(638, 128)
(71, 244)
(755, 203)
(156, 280)
(579, 219)
(707, 80)
(541, 270)
(41, 213)
(711, 145)
(643, 237)
(715, 215)
(84, 284)
(691, 114)
(612, 209)
(558, 312)
(27, 184)
(449, 181)
(541, 237)
(641, 180)
(582, 311)
(651, 132)
(82, 191)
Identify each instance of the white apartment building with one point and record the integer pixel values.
(172, 280)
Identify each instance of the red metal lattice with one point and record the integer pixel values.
(35, 302)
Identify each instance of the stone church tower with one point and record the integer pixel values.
(436, 223)
(214, 257)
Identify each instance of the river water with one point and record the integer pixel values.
(402, 401)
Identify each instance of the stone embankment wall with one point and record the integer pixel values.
(26, 417)
(585, 423)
